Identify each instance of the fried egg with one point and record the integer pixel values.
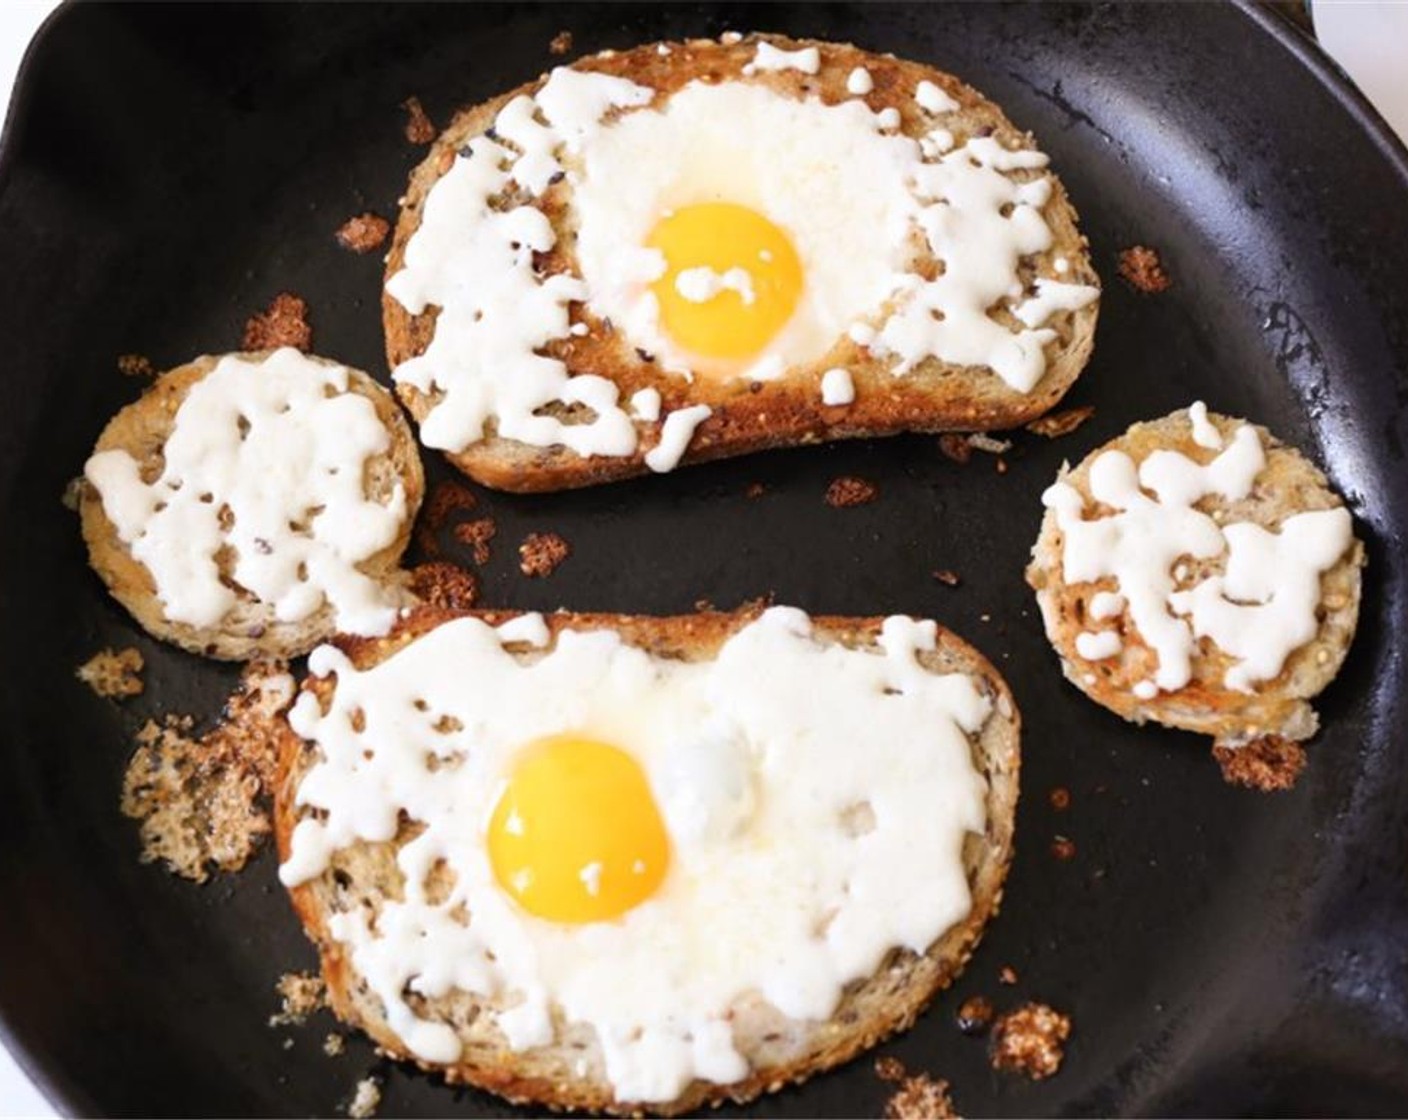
(726, 231)
(769, 823)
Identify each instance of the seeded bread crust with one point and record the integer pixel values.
(934, 396)
(249, 629)
(780, 1050)
(1288, 484)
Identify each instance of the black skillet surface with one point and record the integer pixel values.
(168, 168)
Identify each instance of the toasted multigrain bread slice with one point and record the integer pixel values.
(250, 629)
(752, 416)
(780, 1050)
(1279, 708)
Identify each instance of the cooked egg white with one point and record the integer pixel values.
(768, 823)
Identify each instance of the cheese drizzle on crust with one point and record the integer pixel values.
(1198, 573)
(583, 1061)
(485, 310)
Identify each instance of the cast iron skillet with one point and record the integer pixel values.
(167, 169)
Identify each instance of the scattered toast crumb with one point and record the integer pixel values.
(445, 585)
(541, 553)
(956, 447)
(561, 43)
(446, 500)
(201, 801)
(1060, 798)
(72, 497)
(477, 534)
(981, 441)
(334, 1045)
(1001, 466)
(848, 491)
(948, 577)
(1142, 269)
(419, 127)
(283, 323)
(113, 673)
(363, 233)
(1029, 1040)
(975, 1015)
(889, 1068)
(1270, 764)
(365, 1099)
(755, 490)
(1063, 848)
(1007, 975)
(300, 994)
(135, 365)
(1056, 424)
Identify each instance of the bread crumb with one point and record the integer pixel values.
(442, 584)
(1063, 848)
(283, 323)
(419, 127)
(1270, 764)
(1007, 975)
(200, 802)
(447, 499)
(477, 534)
(848, 491)
(889, 1068)
(1060, 798)
(365, 1099)
(334, 1045)
(113, 674)
(561, 43)
(135, 365)
(919, 1097)
(1029, 1040)
(363, 233)
(947, 577)
(300, 994)
(975, 1015)
(72, 497)
(1056, 424)
(754, 490)
(981, 441)
(956, 447)
(541, 553)
(1141, 268)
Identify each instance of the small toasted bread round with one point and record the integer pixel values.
(751, 416)
(570, 1073)
(250, 628)
(1288, 484)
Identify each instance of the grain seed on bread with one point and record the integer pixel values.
(554, 1041)
(549, 327)
(1198, 572)
(251, 504)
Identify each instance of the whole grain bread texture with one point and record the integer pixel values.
(749, 416)
(250, 629)
(570, 1072)
(1287, 485)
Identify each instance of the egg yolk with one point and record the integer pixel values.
(576, 835)
(731, 282)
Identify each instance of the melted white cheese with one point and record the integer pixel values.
(934, 100)
(859, 82)
(755, 757)
(277, 448)
(1259, 611)
(769, 57)
(837, 388)
(675, 435)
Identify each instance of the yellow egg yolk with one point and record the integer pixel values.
(731, 282)
(576, 835)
